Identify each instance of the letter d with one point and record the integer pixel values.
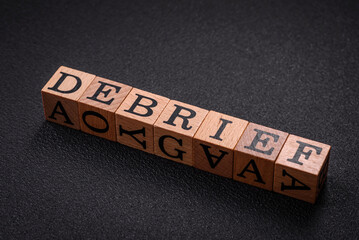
(62, 79)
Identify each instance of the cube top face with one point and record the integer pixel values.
(105, 94)
(303, 155)
(221, 130)
(68, 83)
(142, 106)
(262, 142)
(181, 118)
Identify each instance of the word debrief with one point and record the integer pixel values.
(207, 140)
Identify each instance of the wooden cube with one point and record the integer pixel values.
(61, 93)
(135, 119)
(255, 155)
(97, 107)
(174, 131)
(301, 168)
(214, 142)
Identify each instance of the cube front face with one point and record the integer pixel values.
(97, 122)
(255, 155)
(301, 168)
(174, 131)
(61, 93)
(173, 146)
(214, 142)
(97, 107)
(135, 119)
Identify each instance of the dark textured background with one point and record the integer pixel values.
(290, 65)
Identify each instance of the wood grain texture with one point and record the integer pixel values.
(97, 107)
(176, 136)
(61, 93)
(135, 119)
(255, 155)
(301, 168)
(214, 142)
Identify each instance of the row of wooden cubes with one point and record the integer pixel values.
(208, 140)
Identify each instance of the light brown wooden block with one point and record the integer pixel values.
(97, 107)
(60, 95)
(301, 168)
(135, 119)
(174, 131)
(214, 142)
(255, 155)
